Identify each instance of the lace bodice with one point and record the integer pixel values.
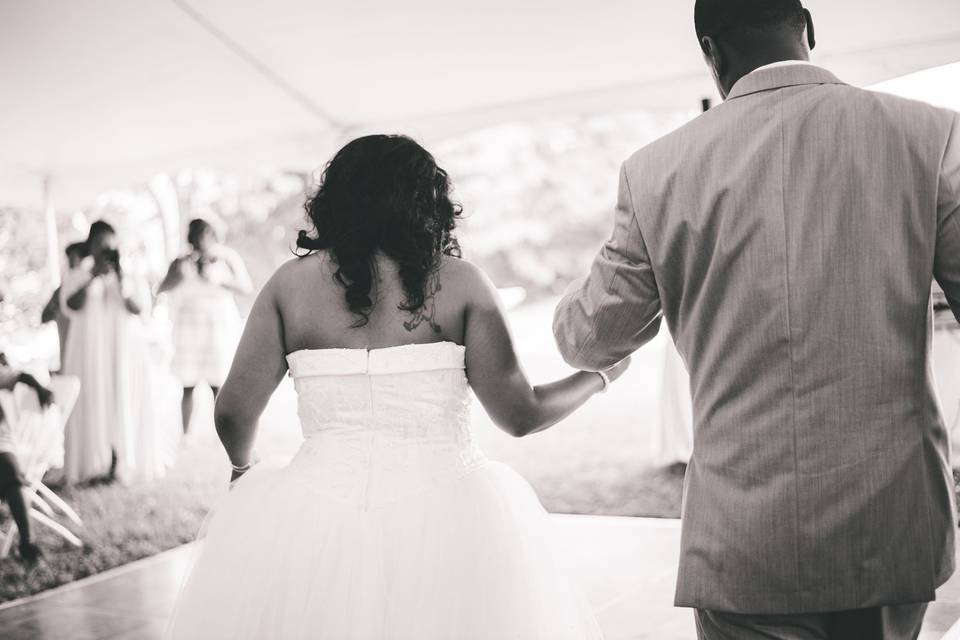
(384, 424)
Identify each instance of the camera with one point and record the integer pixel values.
(112, 257)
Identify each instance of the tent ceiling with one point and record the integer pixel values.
(98, 94)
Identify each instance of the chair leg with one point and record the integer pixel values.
(58, 502)
(39, 503)
(8, 540)
(56, 527)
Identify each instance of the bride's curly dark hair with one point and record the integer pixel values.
(382, 193)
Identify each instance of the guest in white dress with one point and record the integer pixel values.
(674, 442)
(114, 430)
(11, 478)
(389, 523)
(206, 321)
(946, 364)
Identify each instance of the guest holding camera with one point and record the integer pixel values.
(206, 321)
(112, 429)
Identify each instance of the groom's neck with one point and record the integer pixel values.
(740, 66)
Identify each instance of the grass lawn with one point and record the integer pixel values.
(121, 524)
(598, 461)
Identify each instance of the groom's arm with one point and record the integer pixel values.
(946, 263)
(615, 310)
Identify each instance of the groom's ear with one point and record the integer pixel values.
(811, 34)
(711, 53)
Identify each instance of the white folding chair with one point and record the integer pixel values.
(38, 438)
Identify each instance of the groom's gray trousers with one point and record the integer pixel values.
(898, 622)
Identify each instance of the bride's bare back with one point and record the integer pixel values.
(316, 316)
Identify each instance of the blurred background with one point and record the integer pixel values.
(148, 115)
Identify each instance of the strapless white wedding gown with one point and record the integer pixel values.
(389, 523)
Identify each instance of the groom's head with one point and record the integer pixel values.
(737, 36)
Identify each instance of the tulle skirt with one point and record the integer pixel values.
(471, 560)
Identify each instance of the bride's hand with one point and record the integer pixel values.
(617, 370)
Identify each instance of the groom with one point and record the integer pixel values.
(789, 237)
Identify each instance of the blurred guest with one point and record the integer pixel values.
(206, 321)
(675, 438)
(75, 254)
(11, 479)
(113, 430)
(946, 364)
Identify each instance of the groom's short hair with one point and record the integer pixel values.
(737, 20)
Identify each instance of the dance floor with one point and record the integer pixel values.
(133, 602)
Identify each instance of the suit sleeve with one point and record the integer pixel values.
(946, 262)
(615, 310)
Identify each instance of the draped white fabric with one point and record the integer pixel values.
(100, 94)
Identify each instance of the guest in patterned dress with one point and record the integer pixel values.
(206, 321)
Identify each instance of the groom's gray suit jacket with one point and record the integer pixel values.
(789, 237)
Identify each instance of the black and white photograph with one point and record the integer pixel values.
(498, 320)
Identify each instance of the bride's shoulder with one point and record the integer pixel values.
(458, 271)
(292, 275)
(466, 279)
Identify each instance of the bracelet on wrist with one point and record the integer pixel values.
(241, 468)
(606, 381)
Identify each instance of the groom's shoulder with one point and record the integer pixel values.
(688, 141)
(907, 108)
(895, 115)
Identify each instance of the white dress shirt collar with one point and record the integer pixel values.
(783, 63)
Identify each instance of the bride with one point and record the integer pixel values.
(389, 523)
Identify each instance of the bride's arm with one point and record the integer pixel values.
(257, 369)
(498, 380)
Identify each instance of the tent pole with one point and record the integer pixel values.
(164, 193)
(50, 222)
